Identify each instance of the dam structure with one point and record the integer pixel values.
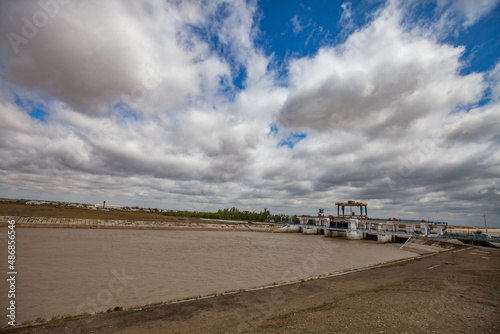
(348, 223)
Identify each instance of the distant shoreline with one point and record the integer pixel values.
(173, 223)
(88, 223)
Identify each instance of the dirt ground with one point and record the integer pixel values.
(10, 209)
(450, 292)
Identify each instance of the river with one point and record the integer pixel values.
(71, 271)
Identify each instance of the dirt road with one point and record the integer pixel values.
(10, 209)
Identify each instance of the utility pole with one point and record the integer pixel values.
(484, 216)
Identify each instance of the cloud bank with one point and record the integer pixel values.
(175, 105)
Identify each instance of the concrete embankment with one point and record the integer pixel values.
(199, 225)
(428, 245)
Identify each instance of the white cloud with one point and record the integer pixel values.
(382, 79)
(494, 78)
(296, 25)
(141, 109)
(346, 16)
(472, 10)
(102, 58)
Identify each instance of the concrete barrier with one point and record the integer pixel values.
(422, 245)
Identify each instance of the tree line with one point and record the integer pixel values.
(235, 214)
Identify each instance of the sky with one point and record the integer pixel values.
(285, 105)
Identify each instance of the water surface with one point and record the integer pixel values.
(70, 271)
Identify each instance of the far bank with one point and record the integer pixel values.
(178, 223)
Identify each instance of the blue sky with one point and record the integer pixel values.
(288, 105)
(298, 28)
(291, 29)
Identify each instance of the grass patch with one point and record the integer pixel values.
(277, 325)
(318, 308)
(115, 309)
(56, 317)
(486, 303)
(118, 308)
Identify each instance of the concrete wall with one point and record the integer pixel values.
(382, 239)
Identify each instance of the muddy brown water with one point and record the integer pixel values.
(70, 271)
